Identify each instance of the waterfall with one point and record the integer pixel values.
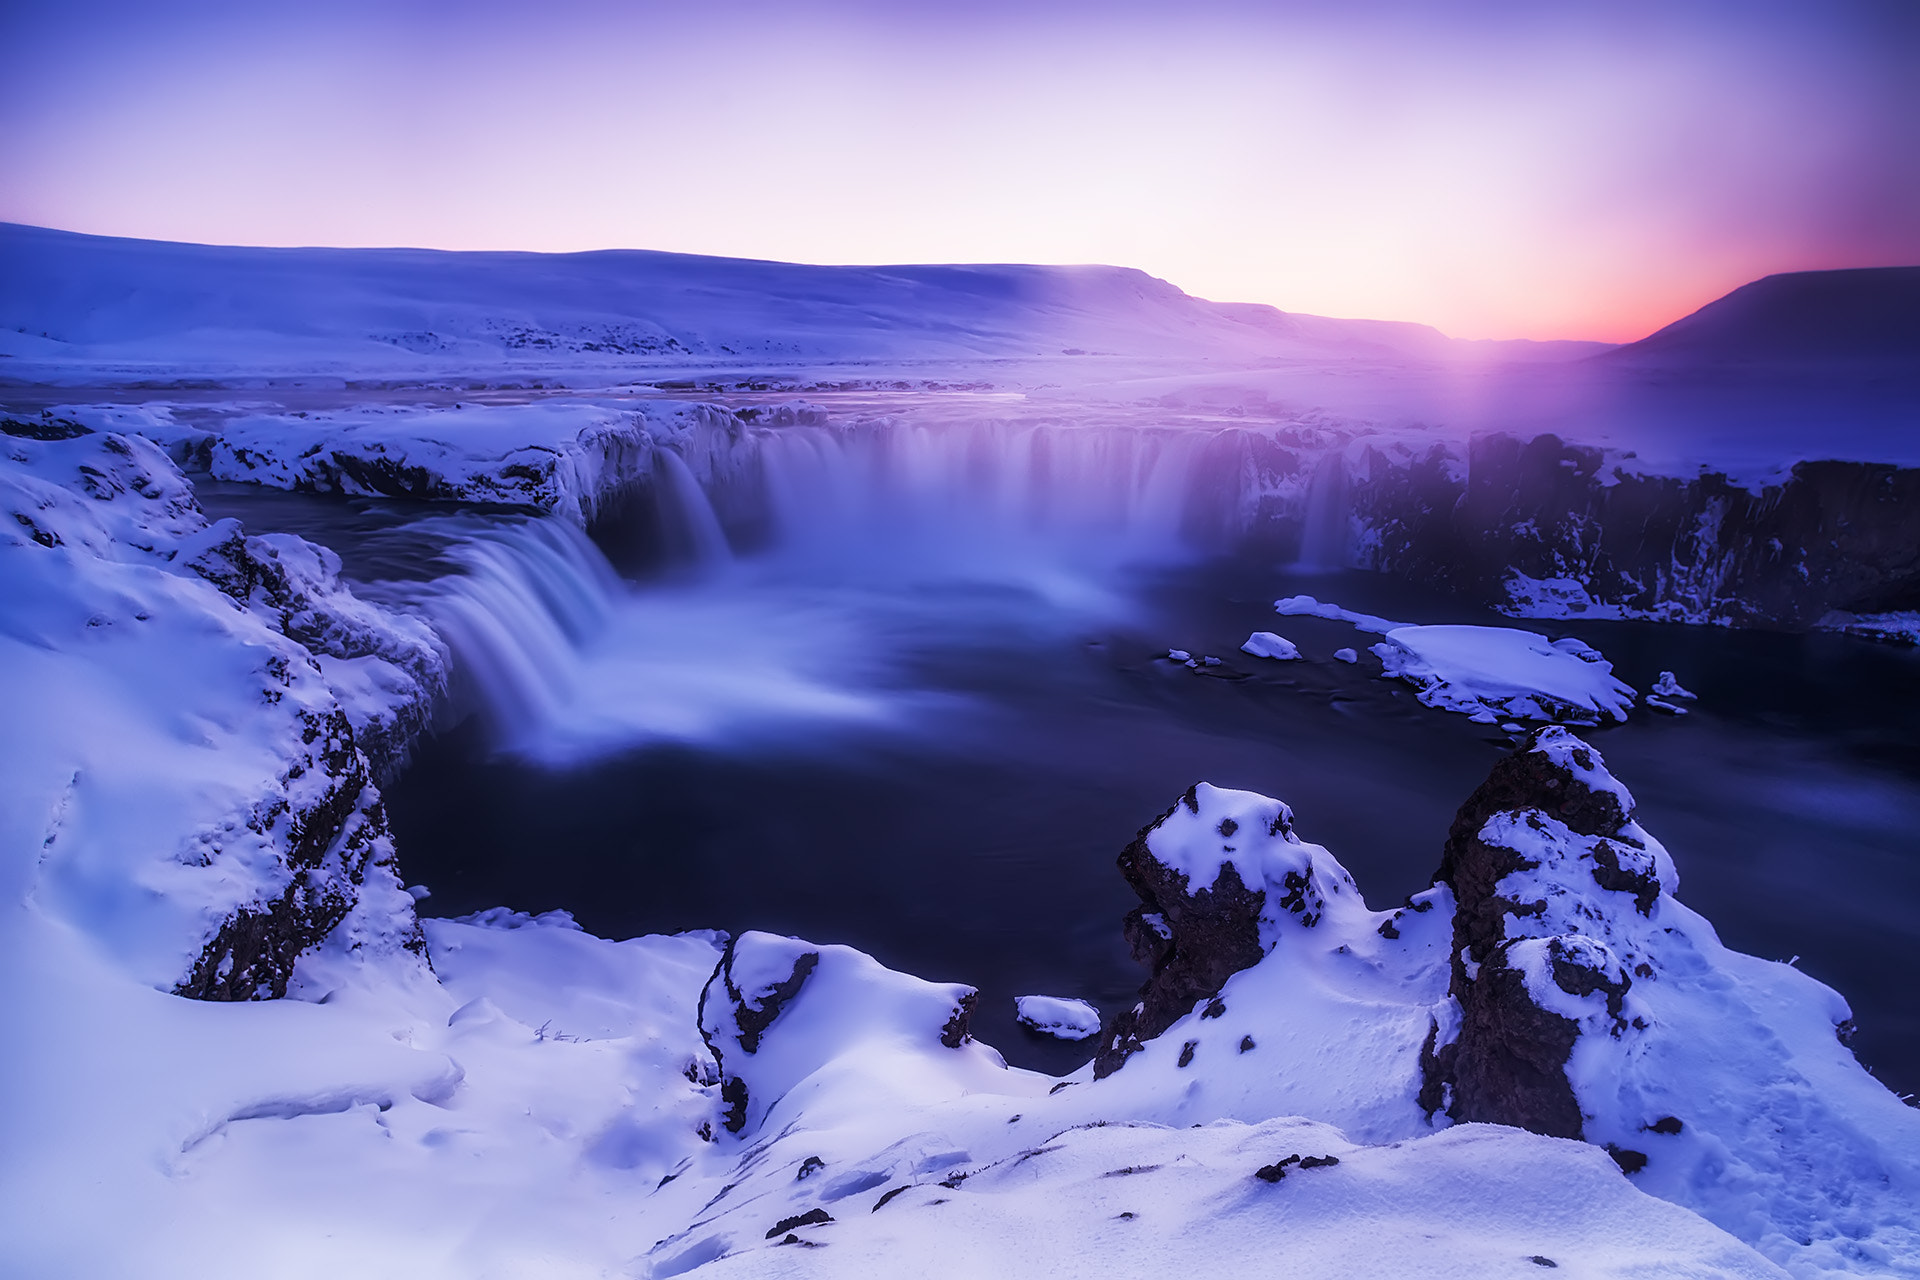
(985, 497)
(689, 529)
(529, 597)
(1326, 535)
(884, 548)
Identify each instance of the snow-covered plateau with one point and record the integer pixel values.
(239, 1048)
(241, 1052)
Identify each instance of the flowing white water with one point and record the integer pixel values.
(1326, 537)
(889, 547)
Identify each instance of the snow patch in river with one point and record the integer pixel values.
(1495, 673)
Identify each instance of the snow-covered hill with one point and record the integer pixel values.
(1859, 320)
(74, 303)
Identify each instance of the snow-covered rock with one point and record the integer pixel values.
(1494, 673)
(1265, 644)
(1669, 687)
(1585, 1001)
(782, 1016)
(1060, 1017)
(1346, 655)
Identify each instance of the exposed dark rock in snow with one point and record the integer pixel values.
(1507, 1062)
(306, 857)
(1192, 940)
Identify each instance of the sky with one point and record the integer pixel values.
(1491, 167)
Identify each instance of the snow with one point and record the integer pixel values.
(1307, 606)
(1061, 1017)
(1901, 628)
(1494, 673)
(1346, 655)
(1669, 687)
(1265, 644)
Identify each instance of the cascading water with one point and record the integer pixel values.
(1326, 536)
(1023, 504)
(689, 530)
(886, 547)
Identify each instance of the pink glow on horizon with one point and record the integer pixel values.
(1532, 180)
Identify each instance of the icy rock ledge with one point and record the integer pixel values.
(1057, 1016)
(1496, 673)
(1265, 644)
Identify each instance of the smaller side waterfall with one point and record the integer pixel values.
(689, 530)
(531, 595)
(1326, 536)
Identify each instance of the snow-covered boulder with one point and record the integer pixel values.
(1221, 877)
(789, 1022)
(1265, 644)
(1057, 1016)
(1495, 673)
(1585, 1001)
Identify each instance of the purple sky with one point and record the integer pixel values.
(1496, 169)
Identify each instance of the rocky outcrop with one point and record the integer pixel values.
(330, 833)
(1221, 876)
(1190, 938)
(778, 1011)
(395, 663)
(1540, 859)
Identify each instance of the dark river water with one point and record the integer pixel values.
(965, 757)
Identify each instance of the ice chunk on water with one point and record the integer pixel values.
(1057, 1016)
(1265, 644)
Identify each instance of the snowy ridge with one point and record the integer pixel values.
(89, 304)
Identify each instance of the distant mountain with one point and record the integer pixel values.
(77, 302)
(1868, 316)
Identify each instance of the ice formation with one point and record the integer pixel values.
(1058, 1016)
(1265, 644)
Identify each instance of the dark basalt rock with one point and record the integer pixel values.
(1506, 1064)
(1525, 780)
(811, 1218)
(328, 846)
(959, 1027)
(44, 427)
(743, 1020)
(1192, 940)
(1832, 535)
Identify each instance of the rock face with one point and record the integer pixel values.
(1190, 939)
(1551, 529)
(1547, 824)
